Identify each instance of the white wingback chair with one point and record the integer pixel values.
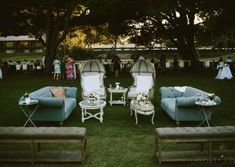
(143, 73)
(92, 79)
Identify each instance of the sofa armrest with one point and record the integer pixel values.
(50, 101)
(186, 101)
(217, 99)
(71, 92)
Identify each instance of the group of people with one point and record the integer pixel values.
(63, 68)
(24, 66)
(224, 69)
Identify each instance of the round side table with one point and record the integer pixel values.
(147, 109)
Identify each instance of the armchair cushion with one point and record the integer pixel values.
(143, 83)
(91, 83)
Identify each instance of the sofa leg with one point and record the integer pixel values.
(177, 123)
(61, 123)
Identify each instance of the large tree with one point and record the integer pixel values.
(47, 20)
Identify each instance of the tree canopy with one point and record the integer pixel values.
(147, 21)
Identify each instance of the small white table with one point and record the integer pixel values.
(25, 107)
(147, 109)
(205, 104)
(97, 105)
(119, 90)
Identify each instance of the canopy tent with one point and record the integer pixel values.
(93, 66)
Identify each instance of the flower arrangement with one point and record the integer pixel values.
(26, 98)
(26, 95)
(142, 98)
(117, 85)
(93, 97)
(211, 96)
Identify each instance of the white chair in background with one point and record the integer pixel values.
(143, 73)
(92, 79)
(18, 67)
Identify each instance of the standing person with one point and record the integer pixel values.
(69, 68)
(163, 62)
(1, 69)
(57, 72)
(229, 61)
(62, 68)
(116, 65)
(175, 64)
(224, 71)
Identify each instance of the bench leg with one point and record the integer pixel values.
(210, 150)
(177, 123)
(202, 146)
(158, 151)
(32, 151)
(83, 149)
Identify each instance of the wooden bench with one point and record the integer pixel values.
(205, 136)
(38, 136)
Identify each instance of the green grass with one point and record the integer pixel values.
(20, 57)
(118, 141)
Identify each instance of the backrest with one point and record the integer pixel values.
(170, 92)
(143, 68)
(91, 83)
(101, 77)
(134, 75)
(190, 91)
(43, 92)
(144, 83)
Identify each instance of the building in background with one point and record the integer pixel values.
(20, 44)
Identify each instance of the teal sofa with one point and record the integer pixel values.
(54, 108)
(180, 105)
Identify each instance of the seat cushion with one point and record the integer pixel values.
(132, 93)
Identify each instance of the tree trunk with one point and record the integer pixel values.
(49, 58)
(188, 52)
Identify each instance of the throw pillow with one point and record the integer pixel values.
(58, 92)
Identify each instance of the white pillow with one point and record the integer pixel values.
(139, 74)
(91, 83)
(143, 83)
(95, 73)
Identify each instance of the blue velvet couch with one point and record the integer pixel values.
(180, 105)
(54, 108)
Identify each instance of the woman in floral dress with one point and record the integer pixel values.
(69, 68)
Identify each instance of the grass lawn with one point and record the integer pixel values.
(117, 141)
